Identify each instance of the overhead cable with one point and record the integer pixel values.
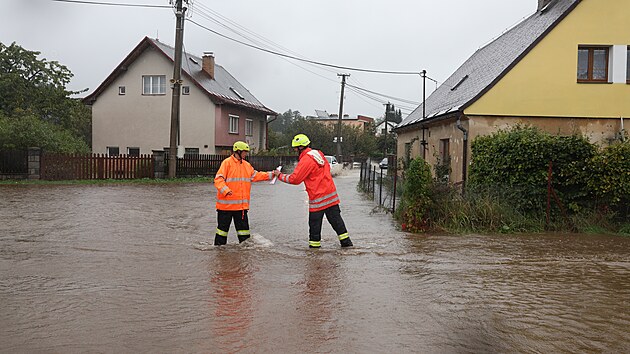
(305, 60)
(112, 4)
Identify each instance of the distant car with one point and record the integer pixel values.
(335, 167)
(383, 164)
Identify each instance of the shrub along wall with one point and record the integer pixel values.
(518, 160)
(507, 187)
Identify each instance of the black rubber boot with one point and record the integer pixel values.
(346, 242)
(220, 240)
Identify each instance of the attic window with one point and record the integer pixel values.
(193, 60)
(237, 93)
(459, 83)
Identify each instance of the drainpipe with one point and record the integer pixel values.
(465, 150)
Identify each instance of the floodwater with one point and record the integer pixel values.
(130, 268)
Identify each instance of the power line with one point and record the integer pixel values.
(112, 4)
(384, 95)
(305, 60)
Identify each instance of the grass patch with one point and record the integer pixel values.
(110, 181)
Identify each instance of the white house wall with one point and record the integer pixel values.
(136, 120)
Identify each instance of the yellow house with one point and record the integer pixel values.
(564, 69)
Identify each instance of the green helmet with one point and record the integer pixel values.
(240, 145)
(300, 140)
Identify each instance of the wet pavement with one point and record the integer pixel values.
(130, 268)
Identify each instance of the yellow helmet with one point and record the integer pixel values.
(300, 140)
(240, 145)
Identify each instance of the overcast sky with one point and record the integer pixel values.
(388, 35)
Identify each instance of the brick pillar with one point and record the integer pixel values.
(34, 162)
(158, 164)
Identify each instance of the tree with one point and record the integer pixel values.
(36, 88)
(284, 121)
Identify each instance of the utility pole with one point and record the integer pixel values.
(177, 85)
(343, 85)
(387, 105)
(424, 114)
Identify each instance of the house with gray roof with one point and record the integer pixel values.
(564, 69)
(131, 109)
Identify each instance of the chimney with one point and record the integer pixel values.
(543, 3)
(207, 64)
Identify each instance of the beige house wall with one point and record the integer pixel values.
(598, 131)
(143, 121)
(433, 135)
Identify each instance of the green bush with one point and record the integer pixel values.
(29, 131)
(518, 160)
(609, 176)
(416, 200)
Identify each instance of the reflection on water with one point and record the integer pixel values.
(122, 268)
(232, 298)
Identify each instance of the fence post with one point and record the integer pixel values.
(34, 162)
(373, 182)
(380, 190)
(158, 164)
(394, 192)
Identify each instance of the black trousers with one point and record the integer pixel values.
(333, 215)
(224, 219)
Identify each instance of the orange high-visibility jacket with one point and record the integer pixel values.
(236, 176)
(314, 171)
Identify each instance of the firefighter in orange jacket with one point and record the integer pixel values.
(233, 182)
(314, 171)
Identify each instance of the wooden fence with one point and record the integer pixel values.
(197, 165)
(95, 166)
(56, 166)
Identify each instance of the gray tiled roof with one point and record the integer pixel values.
(224, 86)
(488, 64)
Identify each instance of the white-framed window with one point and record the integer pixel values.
(113, 151)
(121, 90)
(185, 90)
(133, 151)
(628, 65)
(154, 84)
(233, 124)
(249, 127)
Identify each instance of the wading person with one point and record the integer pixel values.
(314, 171)
(233, 182)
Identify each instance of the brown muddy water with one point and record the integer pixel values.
(130, 268)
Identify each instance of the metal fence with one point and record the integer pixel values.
(208, 165)
(14, 162)
(382, 185)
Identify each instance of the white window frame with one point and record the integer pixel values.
(153, 85)
(249, 127)
(121, 90)
(110, 148)
(233, 124)
(185, 90)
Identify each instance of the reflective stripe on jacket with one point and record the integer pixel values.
(236, 176)
(314, 171)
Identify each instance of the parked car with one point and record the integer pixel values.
(383, 164)
(335, 167)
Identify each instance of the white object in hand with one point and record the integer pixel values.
(273, 181)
